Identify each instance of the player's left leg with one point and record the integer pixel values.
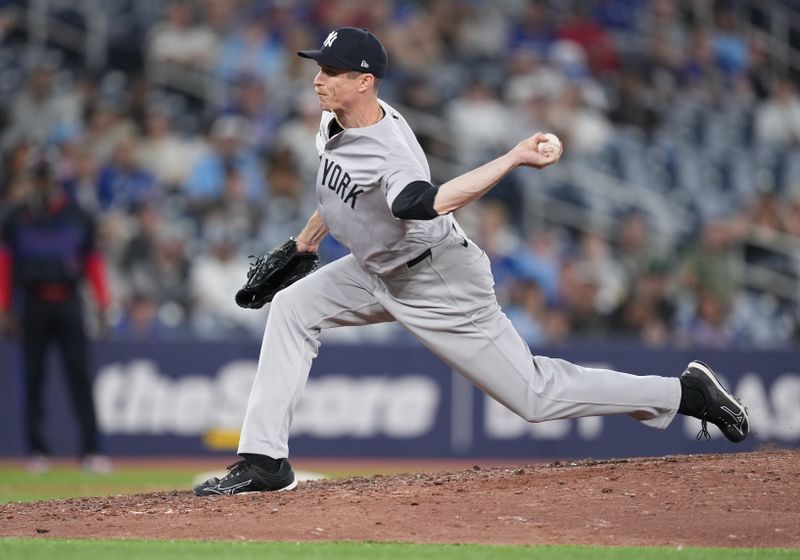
(73, 346)
(338, 294)
(462, 323)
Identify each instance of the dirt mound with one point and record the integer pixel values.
(738, 499)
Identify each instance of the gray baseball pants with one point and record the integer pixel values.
(447, 301)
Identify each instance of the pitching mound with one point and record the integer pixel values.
(741, 499)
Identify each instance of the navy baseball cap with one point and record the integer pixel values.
(351, 48)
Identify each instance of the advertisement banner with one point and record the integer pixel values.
(189, 398)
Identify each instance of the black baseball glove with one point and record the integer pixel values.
(281, 267)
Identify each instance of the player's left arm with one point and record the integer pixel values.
(312, 235)
(94, 268)
(420, 200)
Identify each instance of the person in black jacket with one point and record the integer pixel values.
(47, 249)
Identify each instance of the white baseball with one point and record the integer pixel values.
(553, 143)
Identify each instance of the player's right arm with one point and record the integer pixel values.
(312, 235)
(420, 200)
(458, 192)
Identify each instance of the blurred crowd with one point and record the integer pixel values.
(194, 147)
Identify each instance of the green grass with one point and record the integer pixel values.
(69, 481)
(22, 549)
(18, 485)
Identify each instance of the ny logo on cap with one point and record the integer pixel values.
(331, 38)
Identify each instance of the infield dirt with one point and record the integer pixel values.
(737, 499)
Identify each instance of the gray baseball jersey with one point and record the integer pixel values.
(445, 299)
(361, 172)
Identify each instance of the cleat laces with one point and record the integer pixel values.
(703, 433)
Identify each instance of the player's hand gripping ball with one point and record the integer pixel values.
(553, 144)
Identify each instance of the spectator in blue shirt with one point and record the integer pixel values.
(227, 154)
(123, 184)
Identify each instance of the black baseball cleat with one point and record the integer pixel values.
(720, 408)
(245, 476)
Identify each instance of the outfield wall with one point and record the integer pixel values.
(188, 398)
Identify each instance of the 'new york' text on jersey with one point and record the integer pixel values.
(361, 172)
(339, 181)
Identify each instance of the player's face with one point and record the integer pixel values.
(336, 88)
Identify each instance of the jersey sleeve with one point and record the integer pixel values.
(401, 169)
(416, 202)
(94, 263)
(6, 263)
(95, 270)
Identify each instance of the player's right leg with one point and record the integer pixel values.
(338, 294)
(35, 340)
(462, 323)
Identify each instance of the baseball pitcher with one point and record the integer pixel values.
(410, 262)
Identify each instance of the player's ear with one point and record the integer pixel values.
(367, 82)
